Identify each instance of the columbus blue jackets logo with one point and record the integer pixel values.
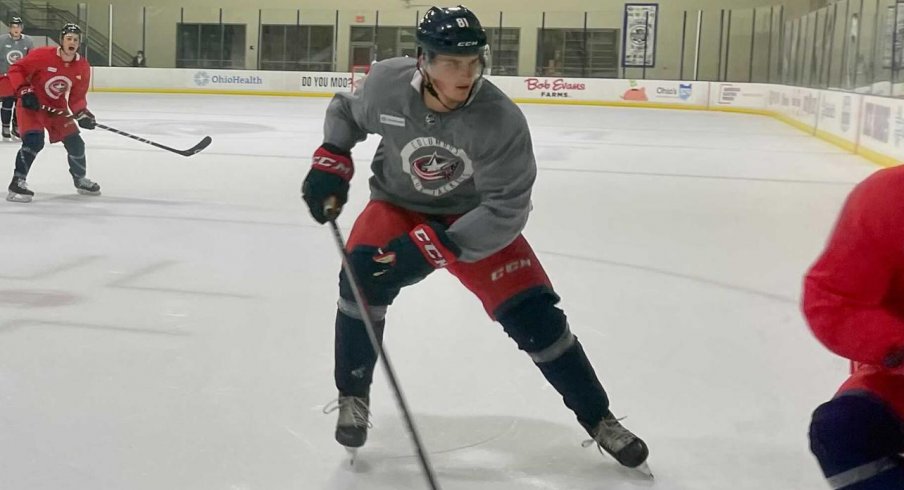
(57, 86)
(435, 167)
(13, 56)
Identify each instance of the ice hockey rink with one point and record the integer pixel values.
(176, 332)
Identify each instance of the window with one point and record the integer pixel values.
(295, 47)
(591, 53)
(503, 50)
(210, 46)
(390, 42)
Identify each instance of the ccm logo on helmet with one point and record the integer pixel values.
(467, 43)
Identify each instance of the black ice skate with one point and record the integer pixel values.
(628, 449)
(86, 186)
(15, 131)
(6, 133)
(18, 191)
(351, 428)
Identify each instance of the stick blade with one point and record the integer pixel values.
(204, 143)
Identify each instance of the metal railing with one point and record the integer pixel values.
(47, 20)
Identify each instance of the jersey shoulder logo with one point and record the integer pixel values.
(435, 167)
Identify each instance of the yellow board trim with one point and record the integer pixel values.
(878, 158)
(794, 122)
(613, 103)
(836, 140)
(873, 156)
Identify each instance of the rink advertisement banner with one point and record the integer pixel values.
(220, 81)
(738, 95)
(882, 127)
(778, 100)
(797, 105)
(662, 92)
(639, 35)
(605, 91)
(839, 116)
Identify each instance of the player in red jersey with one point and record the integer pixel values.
(854, 301)
(57, 78)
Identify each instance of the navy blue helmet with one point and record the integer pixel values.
(451, 30)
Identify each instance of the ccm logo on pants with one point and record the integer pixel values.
(510, 268)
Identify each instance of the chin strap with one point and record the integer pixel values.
(428, 86)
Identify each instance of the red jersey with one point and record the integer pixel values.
(52, 78)
(854, 294)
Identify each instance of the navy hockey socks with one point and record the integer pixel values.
(857, 440)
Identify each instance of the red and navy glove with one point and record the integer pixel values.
(85, 119)
(28, 99)
(411, 257)
(331, 171)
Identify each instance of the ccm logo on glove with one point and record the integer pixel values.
(428, 242)
(340, 167)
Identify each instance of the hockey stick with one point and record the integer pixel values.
(204, 143)
(332, 211)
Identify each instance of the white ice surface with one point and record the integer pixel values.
(176, 332)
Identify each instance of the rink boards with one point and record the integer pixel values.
(871, 126)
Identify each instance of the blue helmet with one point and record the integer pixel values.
(451, 30)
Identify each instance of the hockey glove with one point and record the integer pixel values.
(409, 258)
(331, 170)
(28, 99)
(85, 119)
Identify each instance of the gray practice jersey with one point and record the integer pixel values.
(476, 161)
(12, 50)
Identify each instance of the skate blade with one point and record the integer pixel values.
(13, 197)
(644, 469)
(352, 453)
(87, 192)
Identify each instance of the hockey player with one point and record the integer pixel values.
(854, 302)
(451, 186)
(43, 78)
(13, 47)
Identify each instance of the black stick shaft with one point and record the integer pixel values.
(384, 358)
(189, 152)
